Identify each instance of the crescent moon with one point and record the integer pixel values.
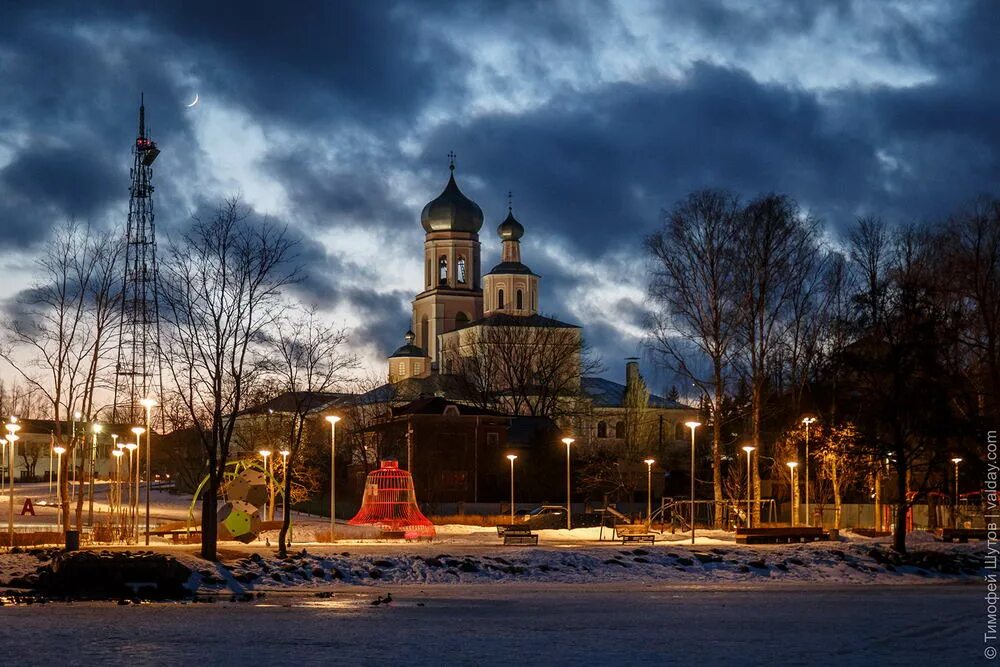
(194, 102)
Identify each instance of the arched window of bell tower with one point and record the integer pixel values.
(519, 301)
(442, 270)
(427, 273)
(500, 299)
(460, 270)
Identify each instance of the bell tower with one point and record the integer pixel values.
(511, 288)
(452, 294)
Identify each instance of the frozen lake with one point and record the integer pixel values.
(518, 625)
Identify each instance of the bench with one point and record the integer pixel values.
(518, 536)
(963, 535)
(627, 532)
(780, 535)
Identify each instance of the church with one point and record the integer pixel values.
(475, 331)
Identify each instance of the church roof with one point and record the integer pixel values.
(452, 211)
(436, 405)
(505, 320)
(607, 394)
(510, 267)
(510, 229)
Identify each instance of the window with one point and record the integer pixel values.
(418, 368)
(460, 270)
(442, 270)
(500, 299)
(424, 329)
(427, 273)
(402, 369)
(519, 300)
(602, 429)
(461, 320)
(493, 439)
(620, 430)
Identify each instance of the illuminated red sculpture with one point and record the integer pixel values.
(391, 504)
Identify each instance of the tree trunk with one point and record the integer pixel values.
(210, 520)
(80, 486)
(835, 479)
(756, 399)
(899, 538)
(717, 449)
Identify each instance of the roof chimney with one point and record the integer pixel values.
(631, 370)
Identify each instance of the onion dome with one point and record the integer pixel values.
(408, 349)
(510, 229)
(452, 211)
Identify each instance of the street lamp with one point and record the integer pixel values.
(12, 428)
(333, 419)
(115, 493)
(59, 450)
(569, 505)
(649, 491)
(954, 514)
(95, 428)
(748, 449)
(692, 425)
(269, 510)
(807, 421)
(512, 458)
(148, 403)
(138, 431)
(792, 465)
(284, 474)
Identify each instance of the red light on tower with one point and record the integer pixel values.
(390, 503)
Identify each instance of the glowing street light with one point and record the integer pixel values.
(284, 473)
(115, 492)
(512, 458)
(954, 514)
(95, 429)
(792, 466)
(59, 450)
(749, 450)
(333, 419)
(649, 491)
(12, 428)
(148, 404)
(569, 511)
(137, 431)
(692, 425)
(807, 421)
(269, 510)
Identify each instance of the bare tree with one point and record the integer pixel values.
(513, 366)
(55, 339)
(778, 256)
(693, 288)
(222, 291)
(310, 360)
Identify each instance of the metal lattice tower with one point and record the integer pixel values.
(137, 370)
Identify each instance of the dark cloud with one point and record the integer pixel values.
(359, 103)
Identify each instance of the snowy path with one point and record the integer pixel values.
(610, 624)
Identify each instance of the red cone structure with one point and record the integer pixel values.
(390, 503)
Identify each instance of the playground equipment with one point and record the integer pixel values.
(390, 504)
(245, 492)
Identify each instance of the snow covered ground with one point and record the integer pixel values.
(617, 624)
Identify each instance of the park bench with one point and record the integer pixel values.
(779, 535)
(961, 534)
(514, 535)
(627, 532)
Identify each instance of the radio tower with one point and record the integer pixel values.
(139, 332)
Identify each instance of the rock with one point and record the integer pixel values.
(386, 564)
(683, 560)
(640, 552)
(276, 576)
(318, 572)
(612, 561)
(468, 566)
(757, 563)
(433, 562)
(781, 566)
(375, 573)
(708, 558)
(256, 558)
(743, 569)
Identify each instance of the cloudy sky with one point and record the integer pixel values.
(337, 118)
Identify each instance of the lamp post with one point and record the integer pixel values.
(284, 474)
(12, 428)
(3, 459)
(148, 403)
(792, 465)
(59, 450)
(954, 514)
(269, 510)
(649, 491)
(749, 450)
(807, 421)
(52, 443)
(333, 419)
(94, 429)
(569, 504)
(138, 431)
(512, 458)
(692, 425)
(115, 492)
